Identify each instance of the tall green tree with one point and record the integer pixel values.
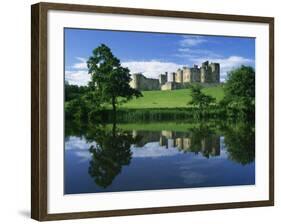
(108, 78)
(240, 91)
(200, 99)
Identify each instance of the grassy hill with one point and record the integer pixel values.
(170, 99)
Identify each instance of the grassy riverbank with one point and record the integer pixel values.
(170, 98)
(126, 115)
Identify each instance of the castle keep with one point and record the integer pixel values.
(207, 73)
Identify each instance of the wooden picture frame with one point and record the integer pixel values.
(39, 110)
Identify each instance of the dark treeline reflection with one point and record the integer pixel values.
(110, 152)
(240, 143)
(111, 145)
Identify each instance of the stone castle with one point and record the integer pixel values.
(207, 73)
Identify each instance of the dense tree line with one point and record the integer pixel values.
(72, 92)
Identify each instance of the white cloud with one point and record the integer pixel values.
(196, 51)
(79, 147)
(79, 77)
(81, 64)
(77, 143)
(152, 68)
(190, 53)
(227, 64)
(191, 41)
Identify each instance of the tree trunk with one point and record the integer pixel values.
(114, 128)
(113, 102)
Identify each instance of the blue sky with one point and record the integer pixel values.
(154, 53)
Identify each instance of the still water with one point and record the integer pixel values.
(167, 156)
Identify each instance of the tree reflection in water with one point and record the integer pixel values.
(239, 140)
(205, 140)
(240, 143)
(110, 152)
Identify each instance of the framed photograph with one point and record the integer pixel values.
(139, 111)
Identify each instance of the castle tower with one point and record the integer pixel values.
(134, 83)
(206, 72)
(215, 72)
(205, 64)
(195, 74)
(163, 141)
(163, 78)
(179, 76)
(186, 74)
(203, 74)
(173, 76)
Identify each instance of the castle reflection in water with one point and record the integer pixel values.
(208, 145)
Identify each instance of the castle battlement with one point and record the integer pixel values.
(207, 73)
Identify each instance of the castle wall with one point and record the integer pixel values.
(167, 86)
(140, 82)
(149, 84)
(171, 86)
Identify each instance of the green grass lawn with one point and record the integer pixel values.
(170, 98)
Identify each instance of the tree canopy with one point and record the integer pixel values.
(199, 98)
(240, 83)
(240, 91)
(108, 78)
